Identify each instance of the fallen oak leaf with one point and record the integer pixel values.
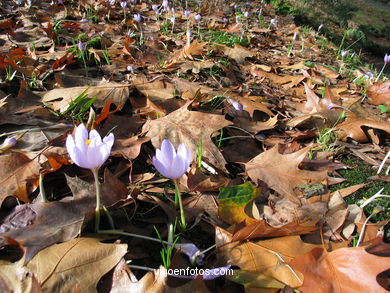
(19, 175)
(379, 93)
(281, 172)
(237, 53)
(352, 128)
(253, 257)
(314, 104)
(118, 92)
(15, 277)
(61, 267)
(346, 270)
(262, 229)
(189, 127)
(194, 49)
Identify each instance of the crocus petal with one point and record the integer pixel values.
(211, 274)
(168, 150)
(95, 138)
(109, 140)
(185, 153)
(160, 167)
(81, 136)
(75, 153)
(177, 168)
(162, 159)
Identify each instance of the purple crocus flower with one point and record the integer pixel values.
(224, 20)
(137, 17)
(191, 251)
(386, 58)
(198, 17)
(165, 4)
(8, 143)
(274, 22)
(155, 7)
(295, 36)
(344, 53)
(187, 13)
(81, 46)
(87, 150)
(320, 27)
(123, 4)
(236, 105)
(368, 74)
(112, 2)
(211, 274)
(246, 14)
(169, 163)
(173, 19)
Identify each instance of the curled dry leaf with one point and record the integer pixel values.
(314, 104)
(194, 49)
(352, 128)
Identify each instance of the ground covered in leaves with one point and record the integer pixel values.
(288, 134)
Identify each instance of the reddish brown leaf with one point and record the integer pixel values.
(347, 270)
(262, 229)
(18, 175)
(281, 172)
(379, 93)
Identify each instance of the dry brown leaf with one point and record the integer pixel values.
(314, 104)
(347, 270)
(379, 93)
(256, 126)
(352, 128)
(253, 257)
(281, 172)
(158, 91)
(75, 265)
(328, 73)
(194, 49)
(15, 277)
(118, 92)
(189, 127)
(262, 229)
(151, 282)
(198, 181)
(237, 53)
(19, 175)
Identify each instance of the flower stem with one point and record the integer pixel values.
(380, 73)
(182, 220)
(97, 209)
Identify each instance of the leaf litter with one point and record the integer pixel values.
(267, 120)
